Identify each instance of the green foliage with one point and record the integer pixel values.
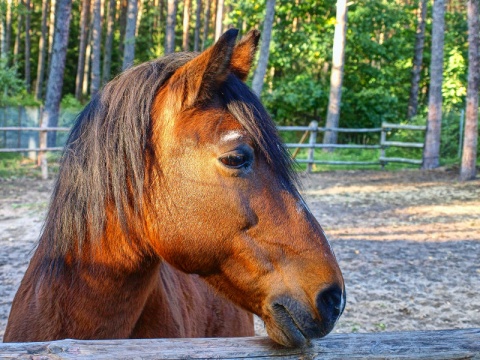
(11, 84)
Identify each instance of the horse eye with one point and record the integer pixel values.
(235, 161)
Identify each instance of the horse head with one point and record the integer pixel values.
(223, 198)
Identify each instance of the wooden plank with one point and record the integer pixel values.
(335, 146)
(400, 160)
(339, 162)
(33, 149)
(405, 127)
(25, 128)
(310, 128)
(403, 144)
(419, 345)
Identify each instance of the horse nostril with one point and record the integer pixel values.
(330, 303)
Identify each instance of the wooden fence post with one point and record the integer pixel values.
(460, 134)
(312, 142)
(42, 155)
(383, 138)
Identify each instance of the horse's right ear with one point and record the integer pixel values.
(200, 77)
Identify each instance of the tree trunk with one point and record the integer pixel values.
(129, 42)
(51, 29)
(139, 16)
(107, 56)
(16, 47)
(84, 22)
(28, 46)
(122, 24)
(336, 76)
(186, 25)
(198, 25)
(219, 18)
(431, 152)
(95, 78)
(469, 158)
(8, 29)
(57, 67)
(206, 20)
(88, 54)
(417, 60)
(42, 51)
(3, 35)
(170, 30)
(261, 69)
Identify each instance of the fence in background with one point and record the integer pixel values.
(313, 129)
(310, 131)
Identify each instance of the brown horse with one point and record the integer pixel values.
(176, 200)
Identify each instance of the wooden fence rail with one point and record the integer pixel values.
(418, 345)
(310, 131)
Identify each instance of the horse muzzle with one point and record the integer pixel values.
(291, 323)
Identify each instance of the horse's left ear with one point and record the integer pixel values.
(243, 54)
(198, 79)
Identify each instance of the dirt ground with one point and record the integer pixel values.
(408, 244)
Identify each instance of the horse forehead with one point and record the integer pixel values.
(215, 125)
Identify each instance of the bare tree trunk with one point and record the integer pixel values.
(139, 16)
(129, 43)
(8, 29)
(95, 76)
(42, 51)
(431, 152)
(84, 22)
(219, 19)
(170, 30)
(417, 60)
(51, 30)
(122, 24)
(206, 20)
(3, 34)
(186, 25)
(469, 158)
(198, 25)
(16, 47)
(88, 53)
(159, 28)
(57, 67)
(260, 71)
(28, 46)
(336, 76)
(107, 56)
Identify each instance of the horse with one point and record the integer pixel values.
(176, 213)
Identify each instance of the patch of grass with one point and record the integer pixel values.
(16, 165)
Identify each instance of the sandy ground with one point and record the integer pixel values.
(408, 243)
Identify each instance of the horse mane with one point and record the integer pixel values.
(104, 160)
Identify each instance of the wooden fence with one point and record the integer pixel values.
(418, 345)
(313, 129)
(310, 131)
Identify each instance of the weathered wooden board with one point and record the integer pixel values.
(434, 345)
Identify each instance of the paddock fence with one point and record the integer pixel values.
(313, 129)
(22, 132)
(416, 345)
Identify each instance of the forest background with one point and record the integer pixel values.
(380, 47)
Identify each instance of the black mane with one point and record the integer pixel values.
(104, 159)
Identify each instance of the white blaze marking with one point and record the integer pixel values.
(231, 135)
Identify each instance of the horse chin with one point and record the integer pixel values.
(288, 335)
(290, 323)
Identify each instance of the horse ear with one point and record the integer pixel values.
(243, 54)
(199, 77)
